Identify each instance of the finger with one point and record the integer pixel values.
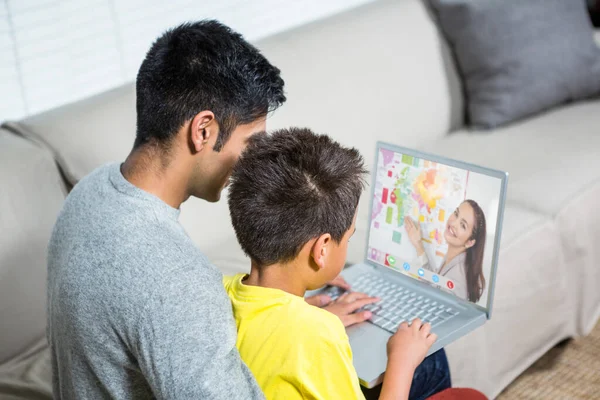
(355, 318)
(416, 324)
(353, 296)
(343, 298)
(355, 305)
(403, 326)
(431, 339)
(425, 329)
(340, 282)
(318, 300)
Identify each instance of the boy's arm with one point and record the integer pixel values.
(397, 386)
(185, 341)
(406, 350)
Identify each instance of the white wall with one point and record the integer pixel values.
(57, 51)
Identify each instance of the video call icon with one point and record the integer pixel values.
(391, 260)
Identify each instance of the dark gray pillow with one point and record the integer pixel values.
(520, 57)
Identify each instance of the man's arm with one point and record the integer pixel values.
(185, 341)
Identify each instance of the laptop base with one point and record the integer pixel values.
(369, 342)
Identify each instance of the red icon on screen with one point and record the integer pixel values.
(450, 285)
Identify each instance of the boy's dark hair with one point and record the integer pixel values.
(291, 187)
(203, 66)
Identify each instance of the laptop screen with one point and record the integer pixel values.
(435, 223)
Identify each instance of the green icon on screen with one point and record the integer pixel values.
(391, 260)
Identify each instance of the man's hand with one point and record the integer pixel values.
(346, 305)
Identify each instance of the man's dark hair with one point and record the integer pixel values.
(203, 66)
(291, 187)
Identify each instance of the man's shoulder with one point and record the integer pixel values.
(87, 197)
(93, 181)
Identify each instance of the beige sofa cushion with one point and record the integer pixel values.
(532, 310)
(554, 166)
(101, 129)
(579, 225)
(28, 376)
(551, 158)
(30, 199)
(86, 134)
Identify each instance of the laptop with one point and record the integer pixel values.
(453, 212)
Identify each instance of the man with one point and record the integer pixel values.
(135, 310)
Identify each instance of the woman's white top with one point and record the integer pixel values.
(455, 270)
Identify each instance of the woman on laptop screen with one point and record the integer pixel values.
(465, 235)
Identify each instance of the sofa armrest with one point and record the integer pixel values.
(30, 200)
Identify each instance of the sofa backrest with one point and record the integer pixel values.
(379, 72)
(101, 129)
(31, 195)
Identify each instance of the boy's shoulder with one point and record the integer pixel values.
(318, 326)
(283, 311)
(319, 315)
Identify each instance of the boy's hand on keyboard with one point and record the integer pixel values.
(340, 282)
(346, 305)
(409, 345)
(323, 299)
(406, 350)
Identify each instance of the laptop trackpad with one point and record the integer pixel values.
(368, 344)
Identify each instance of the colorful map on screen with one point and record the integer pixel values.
(425, 191)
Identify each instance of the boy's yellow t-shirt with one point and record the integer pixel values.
(295, 350)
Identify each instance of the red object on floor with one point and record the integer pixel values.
(458, 394)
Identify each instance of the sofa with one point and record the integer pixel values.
(382, 71)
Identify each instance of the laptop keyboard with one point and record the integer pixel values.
(397, 304)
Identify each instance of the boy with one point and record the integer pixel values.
(293, 201)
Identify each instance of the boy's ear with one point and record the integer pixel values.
(320, 250)
(202, 129)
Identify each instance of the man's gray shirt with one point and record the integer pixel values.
(135, 310)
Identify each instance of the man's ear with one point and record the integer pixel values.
(202, 129)
(320, 250)
(470, 243)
